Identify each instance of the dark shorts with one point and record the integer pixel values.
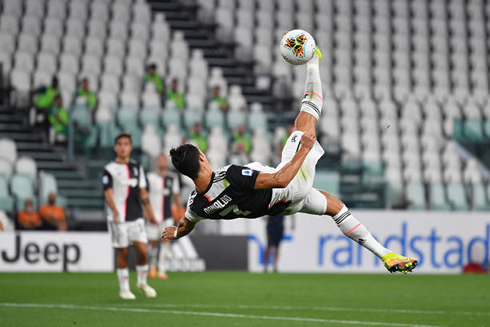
(274, 235)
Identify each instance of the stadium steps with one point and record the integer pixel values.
(200, 35)
(80, 192)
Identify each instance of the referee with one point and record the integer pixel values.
(125, 193)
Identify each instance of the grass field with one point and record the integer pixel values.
(244, 299)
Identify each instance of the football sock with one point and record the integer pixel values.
(123, 276)
(352, 228)
(312, 102)
(142, 274)
(152, 255)
(165, 251)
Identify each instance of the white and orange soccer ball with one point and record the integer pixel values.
(297, 47)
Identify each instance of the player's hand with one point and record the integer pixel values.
(168, 233)
(115, 216)
(308, 140)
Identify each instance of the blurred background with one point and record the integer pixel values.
(406, 115)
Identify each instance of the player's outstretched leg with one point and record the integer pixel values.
(356, 231)
(312, 103)
(322, 203)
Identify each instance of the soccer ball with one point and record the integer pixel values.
(297, 47)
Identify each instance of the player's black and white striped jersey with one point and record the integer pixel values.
(230, 195)
(162, 189)
(126, 180)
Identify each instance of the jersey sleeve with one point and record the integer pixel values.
(191, 216)
(107, 179)
(242, 177)
(143, 182)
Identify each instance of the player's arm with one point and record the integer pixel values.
(144, 197)
(145, 201)
(285, 175)
(178, 206)
(109, 198)
(184, 227)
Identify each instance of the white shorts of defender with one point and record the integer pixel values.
(300, 191)
(154, 231)
(124, 234)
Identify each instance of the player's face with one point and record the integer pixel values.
(123, 147)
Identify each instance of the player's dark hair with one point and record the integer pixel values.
(185, 159)
(121, 135)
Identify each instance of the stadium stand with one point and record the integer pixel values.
(406, 115)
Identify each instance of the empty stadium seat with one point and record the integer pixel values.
(22, 189)
(6, 201)
(150, 115)
(457, 196)
(151, 143)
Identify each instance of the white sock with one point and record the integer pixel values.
(312, 102)
(357, 232)
(142, 274)
(152, 255)
(165, 252)
(123, 276)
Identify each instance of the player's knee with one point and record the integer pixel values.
(334, 205)
(123, 253)
(142, 257)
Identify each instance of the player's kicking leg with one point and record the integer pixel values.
(312, 103)
(316, 202)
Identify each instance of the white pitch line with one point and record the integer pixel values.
(208, 314)
(274, 307)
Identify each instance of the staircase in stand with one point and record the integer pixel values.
(201, 36)
(82, 192)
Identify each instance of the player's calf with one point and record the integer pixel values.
(312, 102)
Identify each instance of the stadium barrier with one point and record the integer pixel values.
(443, 242)
(92, 251)
(55, 252)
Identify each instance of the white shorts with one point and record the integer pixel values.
(124, 234)
(300, 191)
(154, 231)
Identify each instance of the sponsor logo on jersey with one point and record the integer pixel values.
(247, 172)
(133, 182)
(219, 204)
(105, 180)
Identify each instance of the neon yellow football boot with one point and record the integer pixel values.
(318, 53)
(394, 262)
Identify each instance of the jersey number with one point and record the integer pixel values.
(235, 209)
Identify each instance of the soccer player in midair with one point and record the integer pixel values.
(255, 190)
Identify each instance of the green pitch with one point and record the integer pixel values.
(243, 299)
